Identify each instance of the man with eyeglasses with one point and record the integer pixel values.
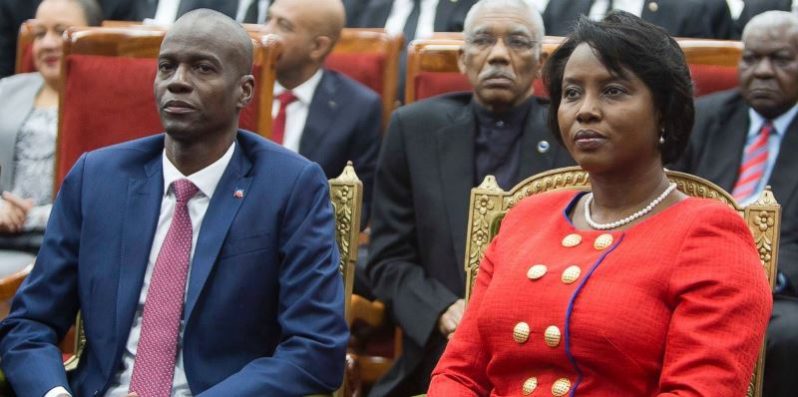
(435, 151)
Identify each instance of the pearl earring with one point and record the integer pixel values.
(662, 136)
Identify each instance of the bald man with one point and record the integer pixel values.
(202, 260)
(727, 125)
(318, 113)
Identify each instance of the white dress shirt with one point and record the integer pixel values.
(401, 10)
(599, 8)
(296, 113)
(166, 13)
(735, 8)
(206, 180)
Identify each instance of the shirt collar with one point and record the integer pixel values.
(205, 179)
(304, 92)
(513, 117)
(781, 123)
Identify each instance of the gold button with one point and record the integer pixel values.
(571, 274)
(561, 387)
(521, 332)
(653, 6)
(571, 240)
(603, 241)
(529, 386)
(552, 336)
(536, 271)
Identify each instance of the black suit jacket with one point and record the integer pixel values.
(449, 16)
(12, 14)
(756, 7)
(424, 178)
(343, 124)
(715, 153)
(682, 18)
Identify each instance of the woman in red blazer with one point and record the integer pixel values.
(633, 289)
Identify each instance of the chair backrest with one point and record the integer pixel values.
(489, 203)
(24, 60)
(432, 65)
(713, 63)
(107, 94)
(370, 56)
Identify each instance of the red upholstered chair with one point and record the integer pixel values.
(108, 98)
(24, 60)
(370, 56)
(713, 63)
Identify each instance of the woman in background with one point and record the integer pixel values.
(632, 289)
(29, 122)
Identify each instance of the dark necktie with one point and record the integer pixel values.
(278, 127)
(251, 15)
(754, 162)
(412, 22)
(156, 353)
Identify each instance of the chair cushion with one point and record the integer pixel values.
(711, 78)
(365, 68)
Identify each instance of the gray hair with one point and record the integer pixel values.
(771, 19)
(531, 10)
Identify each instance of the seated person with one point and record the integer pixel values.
(319, 113)
(743, 140)
(435, 151)
(203, 260)
(29, 123)
(632, 289)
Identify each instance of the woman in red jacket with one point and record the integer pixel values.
(632, 289)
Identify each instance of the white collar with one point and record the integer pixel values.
(304, 92)
(205, 179)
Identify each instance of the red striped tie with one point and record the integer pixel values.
(278, 130)
(753, 166)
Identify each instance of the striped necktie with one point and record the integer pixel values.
(753, 166)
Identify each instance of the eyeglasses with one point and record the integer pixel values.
(514, 42)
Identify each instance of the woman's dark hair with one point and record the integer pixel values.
(624, 42)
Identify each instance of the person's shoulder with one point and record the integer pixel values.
(705, 212)
(351, 88)
(437, 105)
(547, 204)
(717, 100)
(129, 151)
(265, 153)
(21, 80)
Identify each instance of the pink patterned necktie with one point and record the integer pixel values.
(752, 168)
(154, 366)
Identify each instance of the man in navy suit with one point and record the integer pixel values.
(321, 114)
(203, 260)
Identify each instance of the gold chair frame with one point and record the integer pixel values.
(489, 203)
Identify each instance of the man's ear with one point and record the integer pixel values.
(461, 59)
(322, 45)
(247, 83)
(544, 56)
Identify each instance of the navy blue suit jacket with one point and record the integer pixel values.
(344, 123)
(264, 305)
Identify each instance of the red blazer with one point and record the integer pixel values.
(676, 305)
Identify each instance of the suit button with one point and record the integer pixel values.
(571, 274)
(521, 332)
(536, 271)
(571, 240)
(653, 6)
(529, 386)
(561, 387)
(603, 241)
(552, 336)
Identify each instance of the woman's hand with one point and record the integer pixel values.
(13, 213)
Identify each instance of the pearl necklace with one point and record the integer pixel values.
(628, 219)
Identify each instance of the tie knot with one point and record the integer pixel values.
(767, 128)
(286, 98)
(184, 190)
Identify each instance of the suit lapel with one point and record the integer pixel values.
(377, 13)
(784, 179)
(456, 160)
(320, 115)
(535, 137)
(220, 214)
(141, 218)
(725, 152)
(443, 13)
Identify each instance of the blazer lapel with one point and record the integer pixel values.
(141, 219)
(320, 116)
(784, 179)
(221, 211)
(537, 145)
(725, 152)
(443, 14)
(456, 159)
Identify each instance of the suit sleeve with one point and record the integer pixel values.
(394, 269)
(721, 304)
(310, 358)
(364, 151)
(461, 371)
(47, 302)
